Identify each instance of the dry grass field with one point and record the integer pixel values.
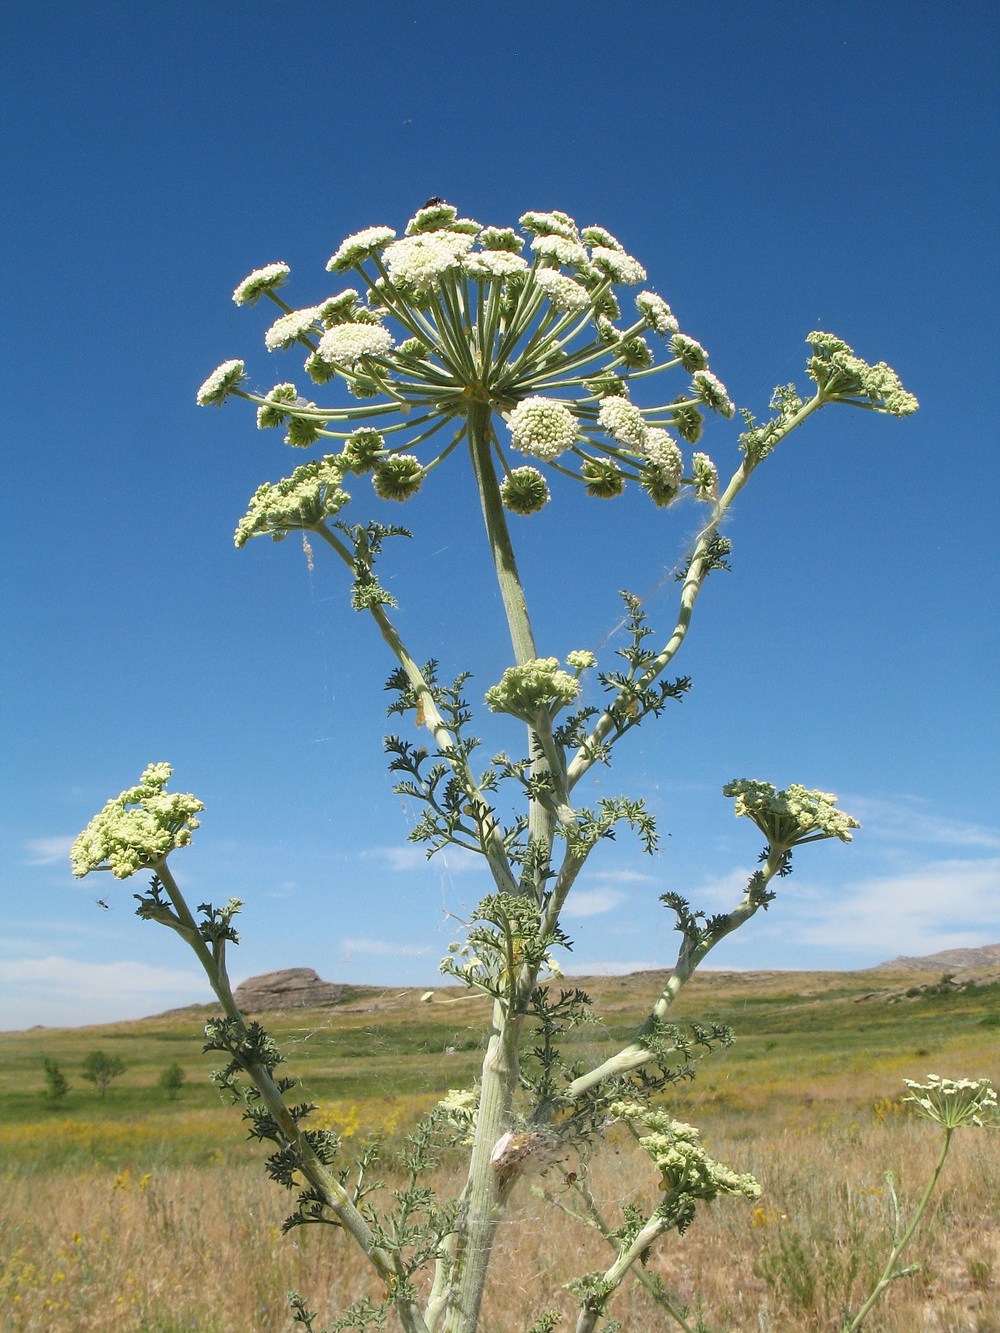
(136, 1213)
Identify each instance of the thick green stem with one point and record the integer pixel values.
(501, 548)
(486, 1190)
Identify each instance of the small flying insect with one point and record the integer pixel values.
(433, 201)
(101, 903)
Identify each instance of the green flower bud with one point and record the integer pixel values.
(362, 450)
(538, 684)
(524, 491)
(687, 421)
(635, 353)
(318, 370)
(398, 477)
(268, 413)
(303, 500)
(691, 354)
(791, 816)
(304, 431)
(603, 478)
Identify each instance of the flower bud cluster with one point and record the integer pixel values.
(684, 1166)
(137, 829)
(790, 816)
(303, 500)
(842, 375)
(540, 684)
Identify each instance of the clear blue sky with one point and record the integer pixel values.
(777, 167)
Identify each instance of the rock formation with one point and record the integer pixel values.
(292, 988)
(948, 960)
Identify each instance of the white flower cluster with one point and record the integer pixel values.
(618, 265)
(493, 264)
(220, 384)
(542, 427)
(955, 1103)
(706, 478)
(419, 261)
(623, 421)
(658, 313)
(287, 329)
(664, 454)
(260, 281)
(347, 343)
(137, 829)
(564, 293)
(358, 247)
(710, 390)
(560, 249)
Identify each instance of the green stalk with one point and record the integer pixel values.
(501, 548)
(318, 1175)
(889, 1273)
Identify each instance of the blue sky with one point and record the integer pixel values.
(777, 168)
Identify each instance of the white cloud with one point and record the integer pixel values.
(66, 992)
(619, 876)
(453, 859)
(384, 947)
(912, 819)
(942, 905)
(47, 851)
(721, 892)
(591, 902)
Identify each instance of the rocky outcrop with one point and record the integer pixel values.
(948, 960)
(292, 988)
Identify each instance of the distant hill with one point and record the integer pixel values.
(947, 960)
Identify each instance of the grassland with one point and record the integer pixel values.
(136, 1212)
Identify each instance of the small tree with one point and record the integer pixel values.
(56, 1082)
(171, 1080)
(101, 1069)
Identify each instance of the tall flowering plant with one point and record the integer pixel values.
(511, 350)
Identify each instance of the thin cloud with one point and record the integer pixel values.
(385, 948)
(592, 902)
(47, 851)
(619, 876)
(943, 905)
(911, 819)
(67, 992)
(453, 859)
